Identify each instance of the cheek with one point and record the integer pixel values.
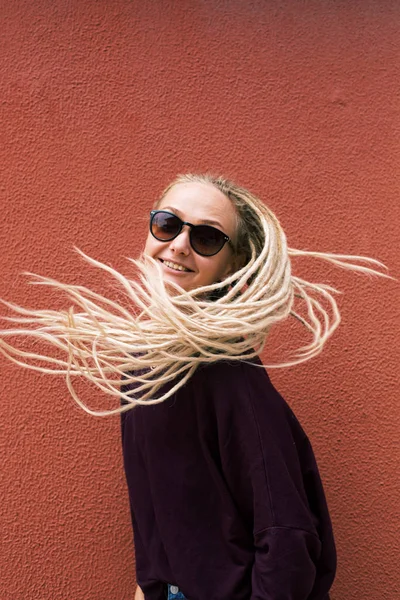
(216, 270)
(151, 246)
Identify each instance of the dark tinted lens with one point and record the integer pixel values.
(165, 226)
(207, 240)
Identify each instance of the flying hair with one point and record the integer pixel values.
(167, 336)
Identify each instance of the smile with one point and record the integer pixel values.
(174, 266)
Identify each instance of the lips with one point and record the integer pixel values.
(175, 266)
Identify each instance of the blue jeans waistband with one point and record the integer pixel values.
(174, 593)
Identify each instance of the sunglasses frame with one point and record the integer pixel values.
(192, 228)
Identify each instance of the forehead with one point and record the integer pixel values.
(200, 202)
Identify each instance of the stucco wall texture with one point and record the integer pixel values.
(102, 103)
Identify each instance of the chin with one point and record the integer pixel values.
(171, 289)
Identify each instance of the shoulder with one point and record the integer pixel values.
(244, 389)
(246, 378)
(231, 370)
(228, 380)
(234, 381)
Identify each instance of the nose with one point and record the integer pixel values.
(181, 244)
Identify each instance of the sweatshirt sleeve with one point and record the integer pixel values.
(152, 589)
(270, 471)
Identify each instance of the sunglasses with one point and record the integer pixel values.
(204, 239)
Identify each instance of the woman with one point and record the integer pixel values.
(226, 498)
(225, 493)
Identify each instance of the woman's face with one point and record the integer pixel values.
(196, 203)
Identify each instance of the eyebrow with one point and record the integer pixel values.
(203, 221)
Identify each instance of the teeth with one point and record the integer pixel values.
(172, 265)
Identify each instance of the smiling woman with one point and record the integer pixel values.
(198, 204)
(225, 492)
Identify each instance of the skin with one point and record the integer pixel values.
(197, 203)
(139, 594)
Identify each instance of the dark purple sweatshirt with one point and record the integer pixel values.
(227, 502)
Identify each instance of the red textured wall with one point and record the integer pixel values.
(102, 103)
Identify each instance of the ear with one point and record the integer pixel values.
(236, 263)
(229, 269)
